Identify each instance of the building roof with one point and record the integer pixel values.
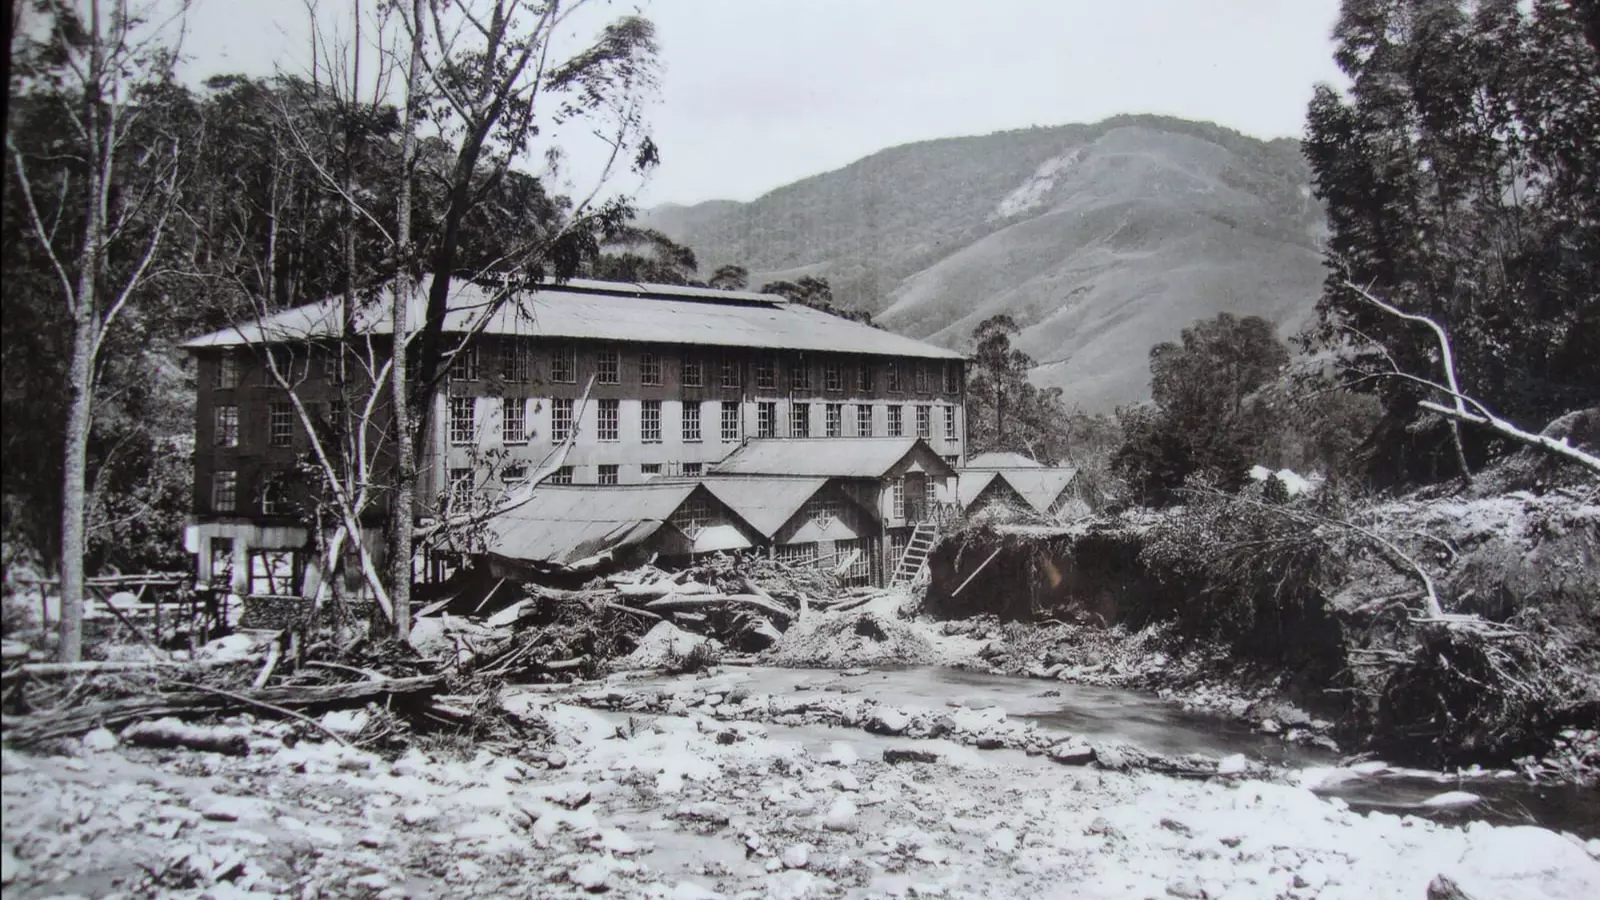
(824, 457)
(563, 524)
(1040, 487)
(970, 485)
(1003, 459)
(767, 503)
(600, 310)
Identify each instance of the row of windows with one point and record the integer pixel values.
(464, 480)
(515, 367)
(280, 425)
(463, 423)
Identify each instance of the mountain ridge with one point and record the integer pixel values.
(1099, 239)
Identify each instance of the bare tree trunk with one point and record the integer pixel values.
(402, 501)
(75, 465)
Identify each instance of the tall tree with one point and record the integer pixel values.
(103, 231)
(1206, 417)
(1461, 175)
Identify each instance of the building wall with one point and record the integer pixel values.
(492, 383)
(630, 453)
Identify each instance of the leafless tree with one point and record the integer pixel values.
(110, 53)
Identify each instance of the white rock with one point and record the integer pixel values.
(932, 853)
(1593, 846)
(1073, 751)
(617, 841)
(99, 740)
(846, 781)
(1004, 840)
(228, 808)
(793, 884)
(795, 856)
(888, 721)
(1233, 765)
(841, 816)
(416, 815)
(1452, 799)
(346, 722)
(592, 876)
(841, 754)
(1186, 887)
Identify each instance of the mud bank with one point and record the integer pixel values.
(1297, 619)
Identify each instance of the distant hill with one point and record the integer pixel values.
(1100, 240)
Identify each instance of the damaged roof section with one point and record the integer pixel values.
(573, 526)
(831, 457)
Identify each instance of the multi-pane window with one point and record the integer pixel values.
(649, 469)
(822, 510)
(224, 491)
(608, 473)
(273, 573)
(608, 366)
(693, 517)
(730, 421)
(513, 420)
(650, 421)
(860, 562)
(227, 375)
(610, 420)
(950, 423)
(464, 363)
(924, 421)
(833, 376)
(952, 378)
(694, 374)
(897, 421)
(924, 379)
(227, 430)
(515, 364)
(864, 378)
(730, 372)
(461, 486)
(564, 364)
(796, 554)
(766, 374)
(800, 420)
(649, 367)
(800, 375)
(560, 419)
(221, 568)
(893, 371)
(897, 499)
(562, 475)
(691, 421)
(766, 420)
(280, 423)
(463, 424)
(930, 494)
(694, 469)
(515, 475)
(863, 420)
(835, 419)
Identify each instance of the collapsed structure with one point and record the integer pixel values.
(691, 420)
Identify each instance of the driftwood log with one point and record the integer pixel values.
(36, 727)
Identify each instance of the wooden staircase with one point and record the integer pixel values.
(915, 557)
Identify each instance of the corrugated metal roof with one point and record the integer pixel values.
(605, 311)
(1003, 459)
(826, 457)
(764, 502)
(562, 524)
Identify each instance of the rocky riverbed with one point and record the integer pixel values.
(686, 803)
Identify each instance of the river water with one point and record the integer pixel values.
(1161, 726)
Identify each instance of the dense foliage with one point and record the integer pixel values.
(1005, 411)
(1461, 176)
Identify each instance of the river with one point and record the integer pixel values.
(1157, 725)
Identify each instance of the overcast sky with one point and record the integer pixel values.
(758, 93)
